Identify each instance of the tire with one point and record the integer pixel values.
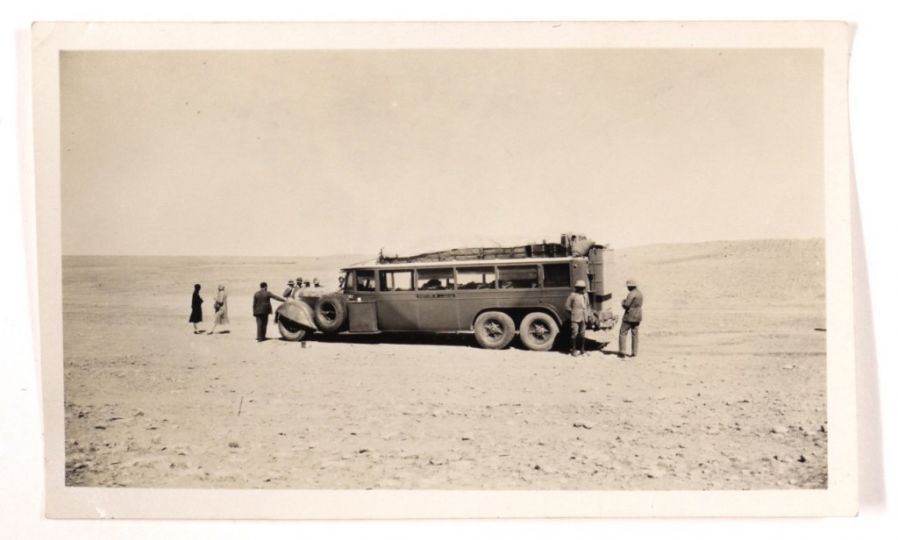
(291, 331)
(330, 314)
(493, 330)
(538, 331)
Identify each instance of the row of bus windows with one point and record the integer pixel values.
(468, 278)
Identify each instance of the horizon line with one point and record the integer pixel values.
(340, 255)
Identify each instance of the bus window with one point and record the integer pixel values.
(557, 275)
(435, 279)
(396, 280)
(476, 278)
(364, 280)
(347, 281)
(518, 277)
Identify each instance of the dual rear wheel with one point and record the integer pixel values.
(495, 330)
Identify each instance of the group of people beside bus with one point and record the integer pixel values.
(262, 298)
(297, 286)
(261, 306)
(577, 305)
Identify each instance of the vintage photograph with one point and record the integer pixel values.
(541, 269)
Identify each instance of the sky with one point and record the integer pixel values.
(306, 153)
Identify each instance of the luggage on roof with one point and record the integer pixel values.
(570, 245)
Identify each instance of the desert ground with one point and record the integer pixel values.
(728, 391)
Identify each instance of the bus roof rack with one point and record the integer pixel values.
(571, 245)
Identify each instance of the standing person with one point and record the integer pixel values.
(221, 311)
(632, 317)
(577, 305)
(316, 283)
(196, 310)
(288, 293)
(262, 309)
(289, 290)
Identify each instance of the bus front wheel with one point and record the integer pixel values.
(290, 330)
(538, 331)
(494, 330)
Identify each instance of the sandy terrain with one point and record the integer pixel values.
(727, 393)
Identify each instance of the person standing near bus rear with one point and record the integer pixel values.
(262, 309)
(632, 317)
(577, 304)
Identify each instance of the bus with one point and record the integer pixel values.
(494, 293)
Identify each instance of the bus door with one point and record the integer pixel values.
(397, 307)
(361, 304)
(435, 292)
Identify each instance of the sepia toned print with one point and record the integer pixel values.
(515, 269)
(429, 413)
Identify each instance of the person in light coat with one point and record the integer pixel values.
(221, 311)
(577, 305)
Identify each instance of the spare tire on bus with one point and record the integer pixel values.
(493, 330)
(538, 331)
(330, 313)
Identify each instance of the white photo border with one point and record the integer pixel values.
(834, 38)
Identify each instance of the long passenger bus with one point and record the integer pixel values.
(495, 293)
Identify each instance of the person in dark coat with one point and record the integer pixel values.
(196, 310)
(262, 309)
(632, 317)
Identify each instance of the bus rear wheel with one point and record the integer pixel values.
(493, 330)
(538, 331)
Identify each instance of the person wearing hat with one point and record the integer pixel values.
(632, 317)
(316, 283)
(221, 311)
(288, 292)
(577, 305)
(297, 290)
